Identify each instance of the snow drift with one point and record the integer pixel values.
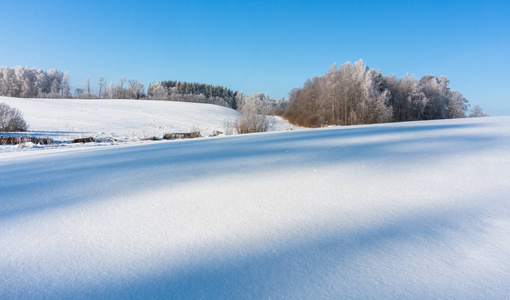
(408, 210)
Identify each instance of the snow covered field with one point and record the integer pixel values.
(123, 120)
(415, 210)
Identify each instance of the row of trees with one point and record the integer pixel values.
(31, 83)
(351, 94)
(356, 94)
(194, 92)
(125, 89)
(257, 109)
(36, 83)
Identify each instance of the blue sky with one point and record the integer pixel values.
(264, 46)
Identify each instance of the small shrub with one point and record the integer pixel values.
(254, 123)
(279, 112)
(299, 119)
(84, 140)
(257, 114)
(11, 119)
(181, 135)
(308, 120)
(229, 127)
(16, 140)
(152, 138)
(312, 121)
(294, 117)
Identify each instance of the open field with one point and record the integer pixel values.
(122, 120)
(407, 210)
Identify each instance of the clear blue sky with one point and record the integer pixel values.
(264, 46)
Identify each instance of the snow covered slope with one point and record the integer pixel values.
(125, 120)
(412, 210)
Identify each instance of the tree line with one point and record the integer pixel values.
(35, 83)
(351, 94)
(194, 92)
(355, 94)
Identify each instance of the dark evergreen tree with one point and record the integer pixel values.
(193, 92)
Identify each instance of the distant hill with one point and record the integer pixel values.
(125, 120)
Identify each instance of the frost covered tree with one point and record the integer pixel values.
(86, 87)
(120, 93)
(136, 89)
(78, 93)
(110, 91)
(55, 83)
(66, 87)
(477, 112)
(406, 98)
(102, 86)
(36, 83)
(457, 105)
(442, 102)
(85, 92)
(351, 94)
(356, 94)
(157, 91)
(257, 114)
(25, 82)
(436, 92)
(42, 83)
(28, 88)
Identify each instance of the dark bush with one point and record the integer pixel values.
(84, 140)
(181, 135)
(279, 112)
(15, 140)
(312, 121)
(295, 117)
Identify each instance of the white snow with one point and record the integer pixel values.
(122, 120)
(407, 210)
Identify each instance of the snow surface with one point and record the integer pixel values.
(122, 120)
(408, 210)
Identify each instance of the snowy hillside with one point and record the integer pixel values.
(414, 210)
(125, 120)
